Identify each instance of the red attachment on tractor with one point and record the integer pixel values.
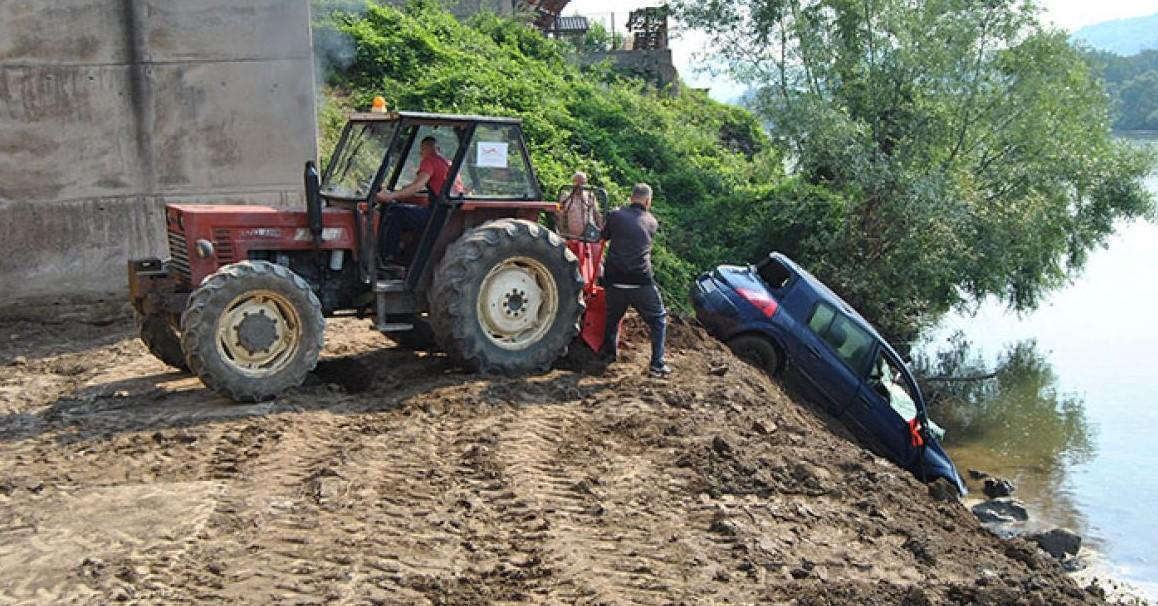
(590, 255)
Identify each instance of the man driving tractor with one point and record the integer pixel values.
(411, 217)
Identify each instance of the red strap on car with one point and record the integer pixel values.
(915, 436)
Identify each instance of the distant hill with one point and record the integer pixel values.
(1123, 36)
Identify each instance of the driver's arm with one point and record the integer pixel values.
(410, 189)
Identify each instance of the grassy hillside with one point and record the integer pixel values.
(696, 153)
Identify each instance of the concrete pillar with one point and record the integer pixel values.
(111, 108)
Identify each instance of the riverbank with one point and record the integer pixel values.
(393, 478)
(1088, 567)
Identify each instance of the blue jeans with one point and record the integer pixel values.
(401, 218)
(649, 304)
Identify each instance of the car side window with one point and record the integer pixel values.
(888, 381)
(821, 318)
(851, 343)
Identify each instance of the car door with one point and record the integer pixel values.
(883, 407)
(831, 356)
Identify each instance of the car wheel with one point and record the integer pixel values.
(757, 351)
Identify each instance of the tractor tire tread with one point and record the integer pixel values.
(198, 334)
(454, 310)
(161, 339)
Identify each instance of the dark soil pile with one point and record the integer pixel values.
(395, 479)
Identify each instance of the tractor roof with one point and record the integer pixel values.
(432, 118)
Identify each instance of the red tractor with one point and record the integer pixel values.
(242, 300)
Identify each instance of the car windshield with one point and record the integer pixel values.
(354, 166)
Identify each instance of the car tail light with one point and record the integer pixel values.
(762, 300)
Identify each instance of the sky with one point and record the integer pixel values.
(1067, 14)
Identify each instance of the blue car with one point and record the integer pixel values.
(778, 317)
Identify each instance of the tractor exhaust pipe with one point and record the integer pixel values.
(314, 202)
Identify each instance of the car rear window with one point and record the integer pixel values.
(851, 343)
(774, 273)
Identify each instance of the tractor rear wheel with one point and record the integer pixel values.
(159, 334)
(507, 298)
(252, 330)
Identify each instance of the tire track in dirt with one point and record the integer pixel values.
(263, 529)
(434, 487)
(402, 486)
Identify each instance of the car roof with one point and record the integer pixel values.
(824, 293)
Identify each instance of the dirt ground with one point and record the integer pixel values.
(395, 479)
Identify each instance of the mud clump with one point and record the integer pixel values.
(395, 478)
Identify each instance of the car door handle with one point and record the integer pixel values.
(814, 351)
(866, 402)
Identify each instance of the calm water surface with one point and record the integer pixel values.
(1074, 422)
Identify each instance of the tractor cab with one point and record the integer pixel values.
(488, 167)
(242, 299)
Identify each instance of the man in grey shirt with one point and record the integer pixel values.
(628, 276)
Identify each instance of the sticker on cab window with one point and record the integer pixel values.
(492, 155)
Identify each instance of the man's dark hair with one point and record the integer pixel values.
(429, 139)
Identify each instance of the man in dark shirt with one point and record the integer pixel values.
(412, 218)
(628, 277)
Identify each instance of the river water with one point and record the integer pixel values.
(1073, 418)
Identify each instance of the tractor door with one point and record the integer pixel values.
(490, 178)
(449, 140)
(369, 146)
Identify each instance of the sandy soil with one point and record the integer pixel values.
(395, 479)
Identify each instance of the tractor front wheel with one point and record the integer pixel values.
(507, 298)
(252, 330)
(159, 334)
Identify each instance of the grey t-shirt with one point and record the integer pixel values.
(630, 231)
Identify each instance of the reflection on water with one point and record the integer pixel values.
(1088, 461)
(1011, 420)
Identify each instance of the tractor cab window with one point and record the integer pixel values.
(496, 165)
(446, 138)
(356, 161)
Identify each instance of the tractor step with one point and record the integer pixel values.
(389, 286)
(394, 327)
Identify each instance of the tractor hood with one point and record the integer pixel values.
(205, 237)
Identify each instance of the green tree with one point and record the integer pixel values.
(1139, 102)
(1133, 84)
(942, 150)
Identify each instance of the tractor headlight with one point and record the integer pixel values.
(204, 249)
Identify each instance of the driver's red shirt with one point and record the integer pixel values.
(436, 166)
